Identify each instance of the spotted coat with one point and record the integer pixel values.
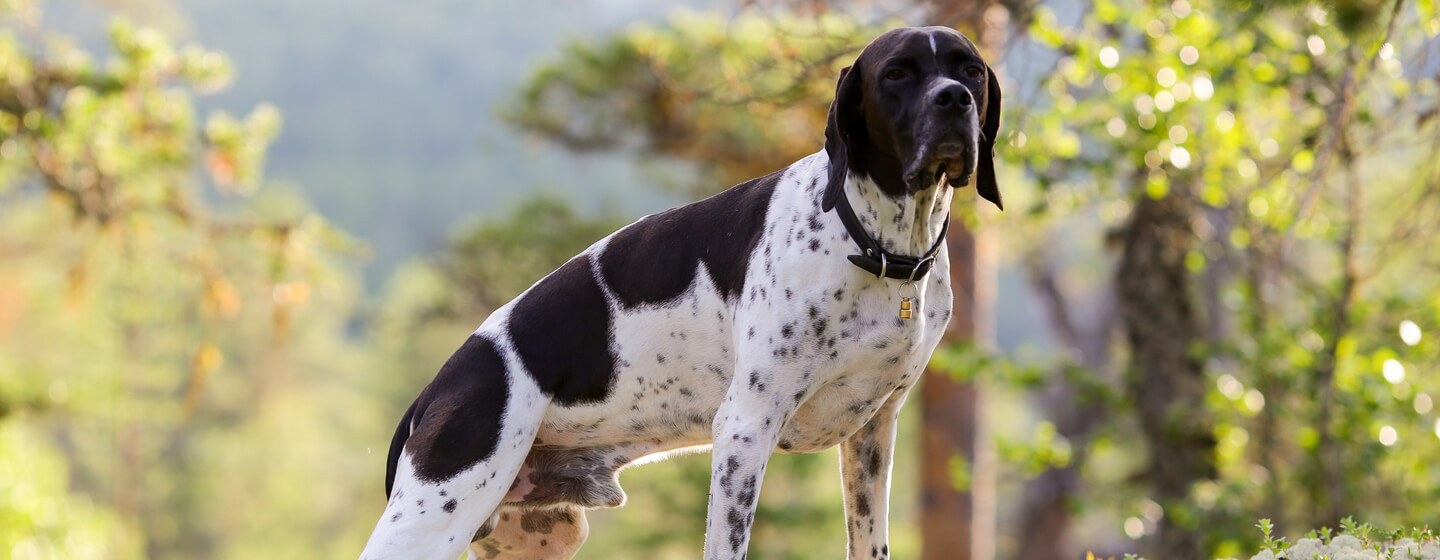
(734, 323)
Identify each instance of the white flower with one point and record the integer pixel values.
(1305, 549)
(1264, 555)
(1343, 543)
(1348, 547)
(1404, 549)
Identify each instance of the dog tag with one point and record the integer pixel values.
(904, 308)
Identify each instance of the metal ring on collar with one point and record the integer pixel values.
(918, 265)
(883, 265)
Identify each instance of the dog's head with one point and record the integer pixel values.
(918, 104)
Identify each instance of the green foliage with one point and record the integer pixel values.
(496, 260)
(172, 330)
(1293, 128)
(40, 518)
(740, 96)
(1270, 542)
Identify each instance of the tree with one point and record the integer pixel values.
(1221, 130)
(154, 333)
(958, 521)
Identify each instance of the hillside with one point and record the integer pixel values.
(390, 127)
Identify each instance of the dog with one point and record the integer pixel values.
(793, 312)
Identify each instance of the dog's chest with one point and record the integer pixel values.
(871, 355)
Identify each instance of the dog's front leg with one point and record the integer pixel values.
(865, 473)
(746, 429)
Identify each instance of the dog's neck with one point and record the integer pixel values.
(905, 225)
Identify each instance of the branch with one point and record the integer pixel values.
(1338, 115)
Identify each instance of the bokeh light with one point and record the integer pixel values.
(1134, 527)
(1409, 332)
(1388, 435)
(1180, 157)
(1204, 88)
(1225, 121)
(1144, 103)
(1181, 91)
(1269, 147)
(1393, 371)
(1165, 76)
(1164, 101)
(1247, 168)
(1155, 28)
(1115, 127)
(1189, 54)
(1259, 207)
(1109, 57)
(1178, 134)
(1254, 400)
(1180, 8)
(1230, 387)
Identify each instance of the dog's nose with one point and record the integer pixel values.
(951, 95)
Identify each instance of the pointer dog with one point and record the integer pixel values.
(792, 312)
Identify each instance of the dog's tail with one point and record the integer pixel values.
(397, 444)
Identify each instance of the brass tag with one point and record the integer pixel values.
(904, 308)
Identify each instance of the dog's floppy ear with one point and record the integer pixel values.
(985, 176)
(839, 127)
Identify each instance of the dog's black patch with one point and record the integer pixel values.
(862, 504)
(562, 331)
(457, 417)
(654, 260)
(736, 521)
(397, 444)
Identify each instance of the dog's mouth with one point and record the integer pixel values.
(952, 162)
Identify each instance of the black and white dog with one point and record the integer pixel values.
(753, 321)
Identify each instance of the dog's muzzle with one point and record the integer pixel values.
(946, 138)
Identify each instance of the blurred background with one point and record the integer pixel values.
(237, 238)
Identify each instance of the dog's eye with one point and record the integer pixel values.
(973, 71)
(896, 74)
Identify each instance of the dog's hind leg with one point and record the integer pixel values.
(543, 534)
(468, 435)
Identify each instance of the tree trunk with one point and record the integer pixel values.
(958, 523)
(1046, 516)
(1167, 381)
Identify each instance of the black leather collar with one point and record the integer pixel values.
(877, 260)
